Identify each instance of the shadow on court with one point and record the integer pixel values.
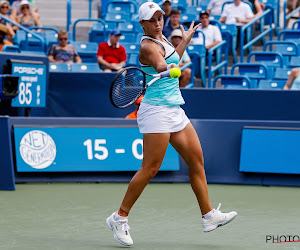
(72, 216)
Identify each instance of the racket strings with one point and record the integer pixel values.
(128, 87)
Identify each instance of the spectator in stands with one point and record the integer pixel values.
(293, 82)
(238, 13)
(257, 7)
(63, 52)
(26, 18)
(16, 11)
(185, 78)
(111, 55)
(291, 6)
(133, 115)
(212, 33)
(215, 7)
(167, 6)
(173, 24)
(3, 32)
(4, 8)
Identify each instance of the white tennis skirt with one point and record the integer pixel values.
(161, 119)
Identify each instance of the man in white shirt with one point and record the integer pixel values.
(215, 7)
(211, 32)
(238, 13)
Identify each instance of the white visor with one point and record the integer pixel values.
(147, 10)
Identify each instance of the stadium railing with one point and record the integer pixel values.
(248, 45)
(197, 53)
(27, 31)
(88, 20)
(69, 13)
(294, 25)
(220, 63)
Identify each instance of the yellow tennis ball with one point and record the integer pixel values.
(175, 73)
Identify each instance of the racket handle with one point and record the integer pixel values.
(165, 73)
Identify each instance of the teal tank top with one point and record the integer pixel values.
(296, 83)
(165, 91)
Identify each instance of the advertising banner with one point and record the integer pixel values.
(64, 149)
(32, 85)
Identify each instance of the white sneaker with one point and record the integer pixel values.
(120, 229)
(217, 219)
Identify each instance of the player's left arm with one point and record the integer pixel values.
(186, 38)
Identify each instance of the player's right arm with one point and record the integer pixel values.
(152, 54)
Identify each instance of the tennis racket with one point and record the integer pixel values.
(129, 84)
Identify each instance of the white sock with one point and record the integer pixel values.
(208, 215)
(119, 217)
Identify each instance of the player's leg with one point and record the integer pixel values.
(187, 144)
(154, 149)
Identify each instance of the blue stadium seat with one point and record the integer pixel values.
(118, 18)
(286, 48)
(271, 84)
(197, 54)
(194, 10)
(58, 67)
(137, 27)
(229, 34)
(290, 35)
(295, 62)
(254, 71)
(50, 39)
(128, 38)
(87, 51)
(281, 74)
(132, 51)
(187, 18)
(133, 59)
(204, 4)
(128, 32)
(110, 26)
(33, 52)
(138, 37)
(233, 82)
(131, 48)
(11, 49)
(34, 44)
(121, 7)
(126, 27)
(98, 33)
(214, 17)
(180, 5)
(85, 67)
(271, 59)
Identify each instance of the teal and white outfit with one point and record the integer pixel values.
(160, 110)
(296, 82)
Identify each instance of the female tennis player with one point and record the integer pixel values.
(161, 120)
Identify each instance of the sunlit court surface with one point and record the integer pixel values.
(72, 216)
